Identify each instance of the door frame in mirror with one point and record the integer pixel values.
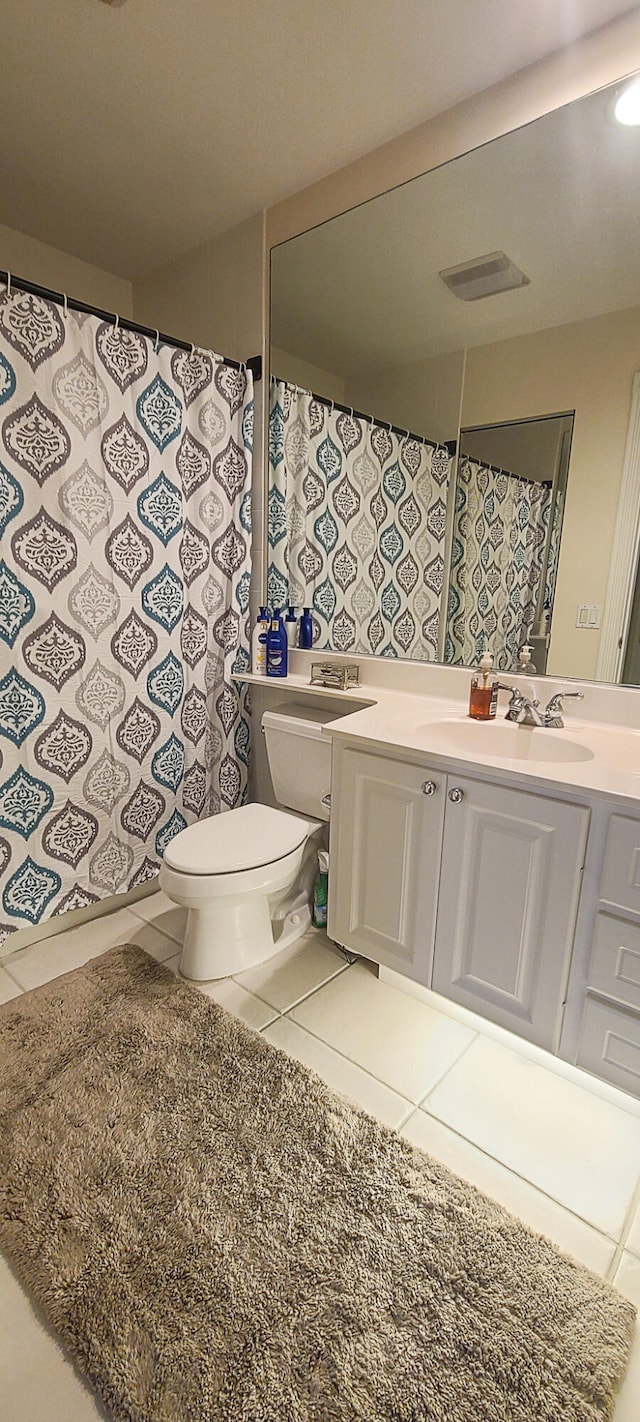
(624, 554)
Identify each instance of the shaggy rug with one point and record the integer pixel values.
(216, 1235)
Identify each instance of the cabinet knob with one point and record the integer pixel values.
(428, 787)
(456, 795)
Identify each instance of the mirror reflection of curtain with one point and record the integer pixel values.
(357, 525)
(499, 534)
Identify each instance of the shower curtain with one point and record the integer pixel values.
(499, 533)
(124, 594)
(357, 525)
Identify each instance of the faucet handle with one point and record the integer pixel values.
(555, 704)
(553, 711)
(516, 703)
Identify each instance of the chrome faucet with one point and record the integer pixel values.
(525, 711)
(552, 715)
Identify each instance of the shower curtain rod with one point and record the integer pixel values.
(254, 363)
(449, 444)
(509, 473)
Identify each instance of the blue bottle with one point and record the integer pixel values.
(277, 647)
(306, 629)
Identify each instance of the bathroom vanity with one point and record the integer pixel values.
(510, 884)
(497, 865)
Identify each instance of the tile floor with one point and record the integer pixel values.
(552, 1151)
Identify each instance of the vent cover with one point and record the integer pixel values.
(483, 276)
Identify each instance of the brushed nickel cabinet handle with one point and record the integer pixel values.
(428, 787)
(456, 795)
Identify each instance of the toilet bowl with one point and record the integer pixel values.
(246, 876)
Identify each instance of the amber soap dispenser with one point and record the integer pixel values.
(483, 698)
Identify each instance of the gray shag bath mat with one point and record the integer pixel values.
(216, 1235)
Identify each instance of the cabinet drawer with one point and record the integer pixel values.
(609, 1044)
(615, 959)
(620, 882)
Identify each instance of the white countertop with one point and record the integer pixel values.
(425, 728)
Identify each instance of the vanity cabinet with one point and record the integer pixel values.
(609, 1031)
(466, 886)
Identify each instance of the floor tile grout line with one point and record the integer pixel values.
(372, 1076)
(451, 1067)
(611, 1238)
(622, 1242)
(344, 967)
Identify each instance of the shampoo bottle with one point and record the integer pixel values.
(276, 647)
(483, 699)
(306, 629)
(259, 643)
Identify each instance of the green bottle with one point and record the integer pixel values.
(321, 890)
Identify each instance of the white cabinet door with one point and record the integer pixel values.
(386, 833)
(509, 887)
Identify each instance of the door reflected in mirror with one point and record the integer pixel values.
(399, 547)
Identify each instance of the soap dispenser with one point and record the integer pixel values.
(525, 665)
(483, 698)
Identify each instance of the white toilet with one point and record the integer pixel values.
(246, 876)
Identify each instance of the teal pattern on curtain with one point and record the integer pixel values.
(357, 526)
(500, 525)
(124, 594)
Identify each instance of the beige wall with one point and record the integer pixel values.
(586, 366)
(47, 266)
(307, 376)
(212, 295)
(601, 58)
(423, 397)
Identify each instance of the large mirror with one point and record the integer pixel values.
(445, 464)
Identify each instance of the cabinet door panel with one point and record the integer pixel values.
(620, 882)
(508, 896)
(610, 1044)
(615, 959)
(388, 837)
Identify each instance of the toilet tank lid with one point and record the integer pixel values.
(235, 840)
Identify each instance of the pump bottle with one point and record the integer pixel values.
(483, 697)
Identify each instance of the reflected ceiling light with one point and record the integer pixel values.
(627, 106)
(483, 276)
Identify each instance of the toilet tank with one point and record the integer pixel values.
(299, 756)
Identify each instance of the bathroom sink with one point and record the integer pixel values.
(504, 740)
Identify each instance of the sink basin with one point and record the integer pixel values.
(504, 740)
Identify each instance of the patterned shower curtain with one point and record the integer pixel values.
(499, 533)
(124, 594)
(357, 525)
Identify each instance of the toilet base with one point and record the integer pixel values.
(227, 937)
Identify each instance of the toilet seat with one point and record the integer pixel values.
(237, 841)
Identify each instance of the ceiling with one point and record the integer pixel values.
(560, 196)
(133, 132)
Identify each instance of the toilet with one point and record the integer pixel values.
(246, 876)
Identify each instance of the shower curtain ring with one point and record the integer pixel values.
(65, 305)
(116, 323)
(156, 342)
(8, 283)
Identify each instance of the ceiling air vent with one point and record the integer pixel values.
(483, 276)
